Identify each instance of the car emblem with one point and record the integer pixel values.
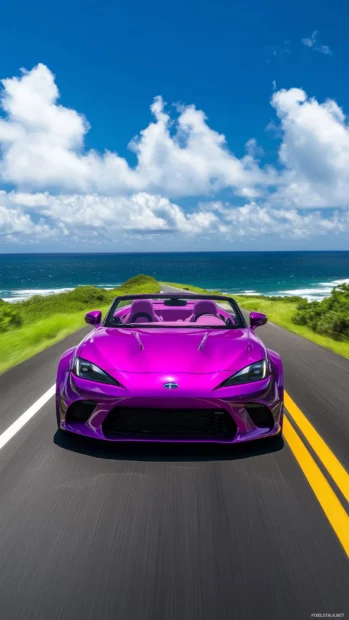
(170, 386)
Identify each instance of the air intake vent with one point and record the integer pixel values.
(80, 411)
(173, 424)
(260, 415)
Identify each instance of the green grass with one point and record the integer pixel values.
(37, 323)
(33, 325)
(19, 344)
(281, 313)
(280, 310)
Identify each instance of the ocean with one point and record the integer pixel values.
(309, 274)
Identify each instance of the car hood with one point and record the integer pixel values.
(164, 350)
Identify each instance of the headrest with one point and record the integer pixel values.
(141, 310)
(204, 306)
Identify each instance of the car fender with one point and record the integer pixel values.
(63, 367)
(277, 367)
(64, 364)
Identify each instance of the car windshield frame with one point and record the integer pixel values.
(238, 316)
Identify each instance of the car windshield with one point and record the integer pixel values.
(177, 311)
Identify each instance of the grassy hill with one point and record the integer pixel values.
(30, 326)
(324, 322)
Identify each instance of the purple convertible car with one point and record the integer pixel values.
(171, 367)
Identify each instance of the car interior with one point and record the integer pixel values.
(169, 312)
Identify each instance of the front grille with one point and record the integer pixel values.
(169, 424)
(80, 411)
(260, 415)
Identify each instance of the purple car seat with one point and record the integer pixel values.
(142, 310)
(203, 306)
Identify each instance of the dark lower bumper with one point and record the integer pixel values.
(209, 420)
(84, 430)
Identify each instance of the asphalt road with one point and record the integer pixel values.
(150, 532)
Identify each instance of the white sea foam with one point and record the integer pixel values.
(248, 292)
(306, 296)
(22, 294)
(40, 291)
(320, 291)
(13, 300)
(303, 292)
(335, 282)
(14, 295)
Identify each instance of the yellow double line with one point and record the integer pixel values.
(327, 498)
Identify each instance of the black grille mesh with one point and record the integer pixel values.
(169, 424)
(260, 415)
(80, 411)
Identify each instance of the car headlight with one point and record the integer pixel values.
(88, 370)
(254, 372)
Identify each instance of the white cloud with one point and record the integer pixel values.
(42, 145)
(253, 220)
(86, 214)
(313, 43)
(96, 219)
(309, 42)
(314, 151)
(15, 224)
(64, 192)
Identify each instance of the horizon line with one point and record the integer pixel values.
(176, 252)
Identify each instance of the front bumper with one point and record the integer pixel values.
(235, 401)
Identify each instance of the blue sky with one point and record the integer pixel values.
(181, 186)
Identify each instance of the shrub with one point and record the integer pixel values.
(329, 316)
(82, 298)
(9, 318)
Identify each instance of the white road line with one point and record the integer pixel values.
(12, 430)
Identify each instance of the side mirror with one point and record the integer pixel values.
(257, 319)
(93, 317)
